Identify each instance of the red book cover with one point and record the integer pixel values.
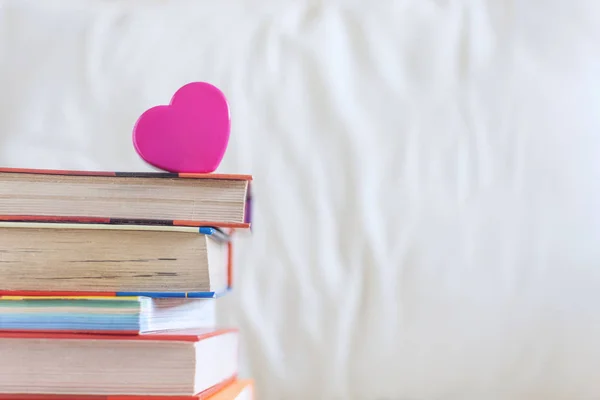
(228, 390)
(191, 335)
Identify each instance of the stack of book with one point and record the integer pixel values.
(108, 283)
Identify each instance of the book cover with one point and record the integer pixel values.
(186, 335)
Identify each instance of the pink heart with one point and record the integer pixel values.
(188, 135)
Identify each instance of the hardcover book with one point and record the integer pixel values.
(174, 363)
(109, 315)
(113, 260)
(219, 200)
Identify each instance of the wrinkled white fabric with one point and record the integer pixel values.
(427, 179)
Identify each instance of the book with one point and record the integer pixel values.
(228, 390)
(113, 260)
(109, 315)
(218, 200)
(179, 363)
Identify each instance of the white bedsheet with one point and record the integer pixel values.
(427, 179)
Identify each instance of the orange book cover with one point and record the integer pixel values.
(234, 390)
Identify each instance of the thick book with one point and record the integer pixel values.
(218, 200)
(179, 363)
(242, 389)
(108, 315)
(113, 260)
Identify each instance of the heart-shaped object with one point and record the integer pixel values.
(189, 135)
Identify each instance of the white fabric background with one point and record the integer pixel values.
(427, 178)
